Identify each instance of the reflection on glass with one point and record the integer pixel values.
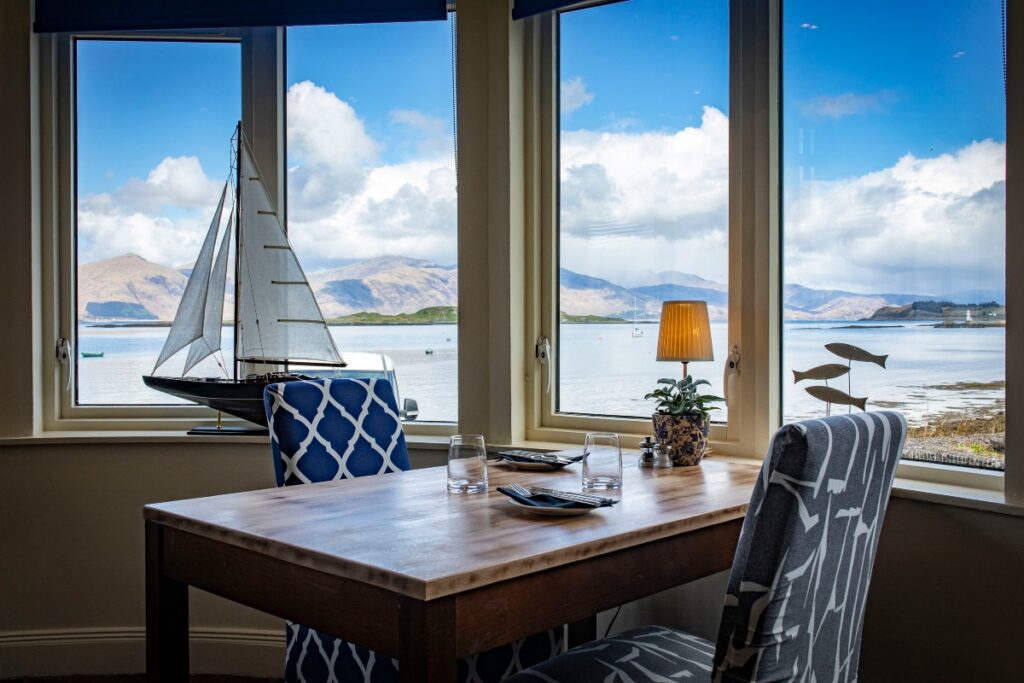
(153, 127)
(372, 197)
(894, 218)
(643, 194)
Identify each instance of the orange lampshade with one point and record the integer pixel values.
(685, 333)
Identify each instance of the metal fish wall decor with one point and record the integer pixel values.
(851, 352)
(831, 395)
(833, 370)
(827, 371)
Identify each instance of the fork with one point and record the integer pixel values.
(581, 497)
(564, 495)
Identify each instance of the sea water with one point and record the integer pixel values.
(604, 369)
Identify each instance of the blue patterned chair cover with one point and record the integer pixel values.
(794, 609)
(330, 429)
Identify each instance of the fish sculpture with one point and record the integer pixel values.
(827, 371)
(851, 352)
(830, 395)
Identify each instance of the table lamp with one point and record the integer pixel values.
(685, 333)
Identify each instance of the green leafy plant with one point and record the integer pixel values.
(680, 397)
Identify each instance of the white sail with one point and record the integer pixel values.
(278, 317)
(188, 320)
(213, 318)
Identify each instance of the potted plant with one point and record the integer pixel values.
(682, 418)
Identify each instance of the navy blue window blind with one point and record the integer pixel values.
(142, 15)
(527, 8)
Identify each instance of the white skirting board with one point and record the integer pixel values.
(258, 653)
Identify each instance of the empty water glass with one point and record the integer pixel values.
(602, 461)
(467, 464)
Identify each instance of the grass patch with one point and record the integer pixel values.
(434, 315)
(969, 386)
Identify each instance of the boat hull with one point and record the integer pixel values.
(241, 398)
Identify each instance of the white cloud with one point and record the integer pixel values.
(635, 201)
(923, 226)
(631, 202)
(162, 218)
(359, 207)
(437, 134)
(329, 148)
(574, 94)
(847, 104)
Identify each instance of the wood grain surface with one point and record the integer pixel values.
(404, 533)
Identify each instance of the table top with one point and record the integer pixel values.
(405, 533)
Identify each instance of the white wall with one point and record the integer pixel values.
(945, 601)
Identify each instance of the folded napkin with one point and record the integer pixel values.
(556, 460)
(542, 501)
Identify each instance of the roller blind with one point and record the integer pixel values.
(527, 8)
(129, 15)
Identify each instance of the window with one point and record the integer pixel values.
(894, 219)
(643, 195)
(143, 202)
(372, 197)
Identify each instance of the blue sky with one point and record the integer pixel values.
(867, 82)
(925, 83)
(930, 75)
(139, 102)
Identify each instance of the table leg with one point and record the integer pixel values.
(166, 617)
(582, 631)
(427, 641)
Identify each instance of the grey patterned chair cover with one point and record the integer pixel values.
(795, 605)
(331, 429)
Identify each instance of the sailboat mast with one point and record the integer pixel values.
(238, 247)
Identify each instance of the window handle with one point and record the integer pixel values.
(732, 369)
(63, 351)
(542, 351)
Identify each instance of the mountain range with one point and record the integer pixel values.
(130, 288)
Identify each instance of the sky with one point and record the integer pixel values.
(893, 143)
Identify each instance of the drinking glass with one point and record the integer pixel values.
(602, 461)
(467, 464)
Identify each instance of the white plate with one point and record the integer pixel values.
(552, 512)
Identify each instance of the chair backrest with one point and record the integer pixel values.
(328, 429)
(794, 610)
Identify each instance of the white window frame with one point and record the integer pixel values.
(263, 114)
(753, 238)
(755, 309)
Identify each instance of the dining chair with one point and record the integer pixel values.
(328, 429)
(794, 610)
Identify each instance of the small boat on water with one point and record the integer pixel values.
(637, 332)
(277, 320)
(92, 354)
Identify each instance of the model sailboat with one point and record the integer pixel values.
(276, 321)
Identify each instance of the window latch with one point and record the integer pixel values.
(63, 352)
(732, 369)
(542, 351)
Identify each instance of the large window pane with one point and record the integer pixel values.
(894, 222)
(643, 147)
(153, 132)
(371, 195)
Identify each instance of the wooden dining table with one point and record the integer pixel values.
(397, 564)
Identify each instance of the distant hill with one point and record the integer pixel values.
(584, 295)
(675, 277)
(129, 288)
(942, 310)
(388, 284)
